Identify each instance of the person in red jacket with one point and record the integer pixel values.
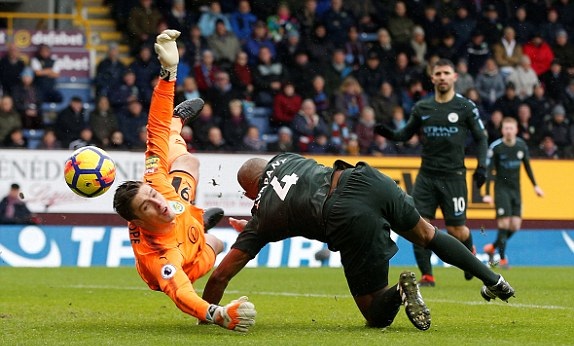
(539, 52)
(286, 104)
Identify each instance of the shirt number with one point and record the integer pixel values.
(289, 181)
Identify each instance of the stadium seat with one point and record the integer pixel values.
(34, 137)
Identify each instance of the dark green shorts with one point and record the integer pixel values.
(507, 202)
(358, 218)
(448, 193)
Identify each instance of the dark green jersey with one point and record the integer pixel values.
(443, 128)
(291, 195)
(505, 160)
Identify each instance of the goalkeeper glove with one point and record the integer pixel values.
(238, 315)
(383, 130)
(167, 53)
(479, 176)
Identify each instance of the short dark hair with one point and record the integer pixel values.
(123, 198)
(444, 62)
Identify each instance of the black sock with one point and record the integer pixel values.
(468, 242)
(385, 307)
(451, 250)
(423, 257)
(501, 239)
(509, 234)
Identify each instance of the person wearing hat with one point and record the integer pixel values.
(558, 127)
(491, 24)
(71, 121)
(284, 143)
(371, 74)
(523, 26)
(27, 101)
(540, 53)
(564, 52)
(476, 52)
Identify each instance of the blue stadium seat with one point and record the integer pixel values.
(259, 116)
(34, 137)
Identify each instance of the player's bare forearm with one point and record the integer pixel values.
(233, 262)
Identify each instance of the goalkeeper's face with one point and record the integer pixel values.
(151, 208)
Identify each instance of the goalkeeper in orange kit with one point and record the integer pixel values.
(166, 230)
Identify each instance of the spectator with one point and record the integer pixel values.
(568, 99)
(366, 15)
(187, 135)
(205, 72)
(307, 18)
(552, 26)
(539, 52)
(208, 19)
(242, 21)
(13, 209)
(130, 120)
(9, 118)
(384, 49)
(116, 141)
(288, 48)
(411, 147)
(401, 74)
(524, 78)
(476, 52)
(398, 120)
(558, 127)
(145, 68)
(555, 81)
(400, 25)
(351, 99)
(142, 24)
(11, 67)
(320, 145)
(494, 126)
(339, 132)
(110, 71)
(319, 45)
(27, 101)
(523, 27)
(335, 71)
(355, 49)
(564, 52)
(463, 24)
(284, 142)
(384, 102)
(282, 23)
(490, 24)
(539, 104)
(258, 40)
(70, 122)
(490, 84)
(187, 91)
(252, 141)
(412, 94)
(382, 147)
(103, 121)
(526, 130)
(320, 97)
(286, 104)
(509, 102)
(301, 73)
(235, 127)
(241, 76)
(46, 73)
(371, 75)
(507, 52)
(419, 48)
(353, 146)
(49, 140)
(566, 10)
(473, 95)
(183, 67)
(465, 80)
(201, 126)
(547, 149)
(446, 48)
(215, 141)
(432, 26)
(86, 138)
(178, 18)
(123, 93)
(15, 139)
(365, 130)
(195, 44)
(221, 94)
(141, 142)
(268, 75)
(224, 45)
(337, 22)
(306, 125)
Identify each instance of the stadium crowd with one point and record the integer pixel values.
(320, 73)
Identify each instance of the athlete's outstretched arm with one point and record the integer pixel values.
(403, 134)
(232, 264)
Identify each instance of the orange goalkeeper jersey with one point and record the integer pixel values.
(172, 259)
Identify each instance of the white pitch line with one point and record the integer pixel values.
(318, 295)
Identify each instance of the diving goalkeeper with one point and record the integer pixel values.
(166, 229)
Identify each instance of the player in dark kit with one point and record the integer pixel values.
(352, 209)
(442, 123)
(505, 156)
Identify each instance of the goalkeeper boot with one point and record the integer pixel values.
(211, 218)
(502, 290)
(188, 110)
(415, 307)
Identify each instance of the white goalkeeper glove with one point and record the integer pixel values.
(168, 56)
(238, 315)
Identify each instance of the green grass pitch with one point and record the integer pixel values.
(306, 306)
